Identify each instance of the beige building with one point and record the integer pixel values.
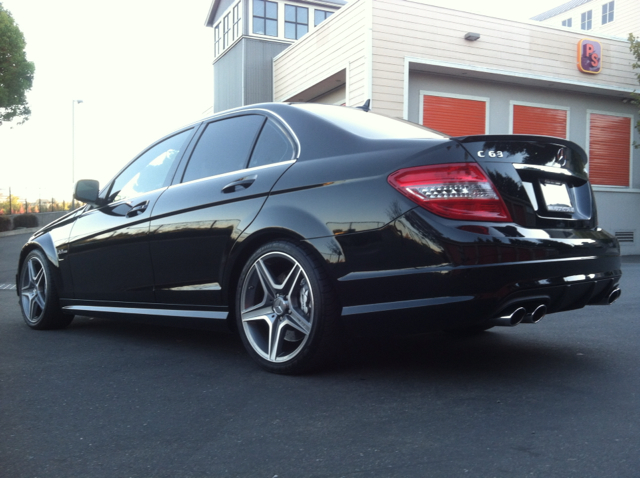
(615, 18)
(464, 73)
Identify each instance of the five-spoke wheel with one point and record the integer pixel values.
(286, 311)
(38, 297)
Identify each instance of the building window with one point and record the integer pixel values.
(265, 18)
(320, 16)
(607, 13)
(585, 20)
(567, 23)
(226, 32)
(216, 36)
(236, 21)
(296, 22)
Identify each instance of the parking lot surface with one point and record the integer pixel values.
(113, 398)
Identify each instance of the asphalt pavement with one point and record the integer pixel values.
(123, 399)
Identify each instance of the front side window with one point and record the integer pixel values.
(567, 23)
(607, 12)
(265, 18)
(585, 20)
(320, 16)
(296, 22)
(152, 170)
(224, 146)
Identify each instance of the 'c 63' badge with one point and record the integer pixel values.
(491, 154)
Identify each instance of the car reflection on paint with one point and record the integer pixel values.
(299, 224)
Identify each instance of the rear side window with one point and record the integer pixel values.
(273, 146)
(224, 146)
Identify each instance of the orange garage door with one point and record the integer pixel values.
(609, 149)
(454, 116)
(535, 120)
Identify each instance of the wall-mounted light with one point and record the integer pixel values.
(472, 36)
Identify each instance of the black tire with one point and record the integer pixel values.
(38, 296)
(286, 309)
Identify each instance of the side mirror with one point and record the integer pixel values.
(87, 191)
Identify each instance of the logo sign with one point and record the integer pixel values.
(589, 56)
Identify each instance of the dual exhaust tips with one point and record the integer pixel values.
(520, 315)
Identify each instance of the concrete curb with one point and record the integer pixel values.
(17, 232)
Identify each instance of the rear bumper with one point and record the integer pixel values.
(466, 279)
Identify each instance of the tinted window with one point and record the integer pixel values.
(224, 146)
(273, 146)
(152, 170)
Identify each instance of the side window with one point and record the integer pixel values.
(273, 146)
(152, 170)
(224, 146)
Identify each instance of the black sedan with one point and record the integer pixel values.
(299, 224)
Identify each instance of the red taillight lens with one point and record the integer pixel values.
(455, 191)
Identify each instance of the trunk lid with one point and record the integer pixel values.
(543, 180)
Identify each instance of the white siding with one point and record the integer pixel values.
(626, 18)
(413, 29)
(337, 44)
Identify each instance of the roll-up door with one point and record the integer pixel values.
(536, 120)
(454, 116)
(609, 149)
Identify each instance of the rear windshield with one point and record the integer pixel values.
(370, 125)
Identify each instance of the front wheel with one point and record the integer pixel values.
(286, 309)
(38, 296)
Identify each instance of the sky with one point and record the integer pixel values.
(142, 69)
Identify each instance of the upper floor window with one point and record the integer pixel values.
(265, 18)
(296, 21)
(216, 36)
(236, 21)
(585, 20)
(320, 16)
(607, 13)
(226, 32)
(567, 23)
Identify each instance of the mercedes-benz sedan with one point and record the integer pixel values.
(298, 224)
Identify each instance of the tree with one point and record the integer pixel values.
(16, 73)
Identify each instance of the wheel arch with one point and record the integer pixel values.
(43, 243)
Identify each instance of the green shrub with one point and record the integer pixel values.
(5, 223)
(25, 220)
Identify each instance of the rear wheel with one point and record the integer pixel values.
(38, 297)
(286, 310)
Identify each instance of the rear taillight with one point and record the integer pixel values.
(454, 191)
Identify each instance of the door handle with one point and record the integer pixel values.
(242, 183)
(138, 209)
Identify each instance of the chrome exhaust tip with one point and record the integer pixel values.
(614, 295)
(537, 315)
(510, 320)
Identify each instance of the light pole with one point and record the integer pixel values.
(73, 147)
